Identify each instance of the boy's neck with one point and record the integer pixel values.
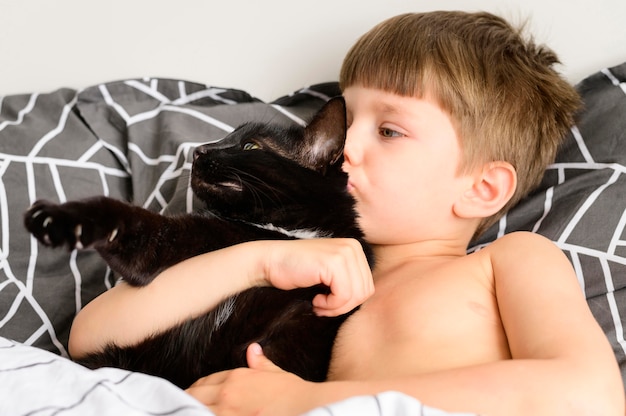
(427, 252)
(448, 244)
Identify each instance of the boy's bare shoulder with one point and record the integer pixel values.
(522, 236)
(526, 255)
(521, 243)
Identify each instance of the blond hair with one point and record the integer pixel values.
(506, 100)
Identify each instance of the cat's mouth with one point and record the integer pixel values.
(215, 187)
(232, 185)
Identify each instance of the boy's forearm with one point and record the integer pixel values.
(511, 387)
(125, 315)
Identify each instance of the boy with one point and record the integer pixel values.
(452, 119)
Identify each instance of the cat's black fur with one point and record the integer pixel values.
(258, 175)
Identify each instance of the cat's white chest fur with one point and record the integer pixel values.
(302, 234)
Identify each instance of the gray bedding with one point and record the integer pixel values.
(132, 140)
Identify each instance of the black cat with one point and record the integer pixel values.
(260, 182)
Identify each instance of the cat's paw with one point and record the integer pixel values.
(60, 224)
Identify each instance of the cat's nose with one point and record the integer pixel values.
(199, 151)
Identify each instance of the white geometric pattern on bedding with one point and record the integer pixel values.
(580, 205)
(129, 140)
(101, 158)
(43, 145)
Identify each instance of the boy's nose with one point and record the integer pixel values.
(350, 150)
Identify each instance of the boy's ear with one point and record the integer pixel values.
(490, 190)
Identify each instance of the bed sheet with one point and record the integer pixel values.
(38, 382)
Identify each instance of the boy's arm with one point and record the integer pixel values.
(549, 327)
(562, 362)
(125, 315)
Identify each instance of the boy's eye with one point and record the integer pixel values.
(387, 132)
(250, 146)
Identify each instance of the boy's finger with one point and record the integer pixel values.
(205, 394)
(258, 361)
(330, 305)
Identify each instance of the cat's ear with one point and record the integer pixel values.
(325, 135)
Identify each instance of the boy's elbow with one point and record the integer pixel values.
(611, 401)
(600, 393)
(78, 343)
(87, 334)
(591, 405)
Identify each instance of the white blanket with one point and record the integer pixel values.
(36, 382)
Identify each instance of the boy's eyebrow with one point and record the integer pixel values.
(397, 110)
(387, 108)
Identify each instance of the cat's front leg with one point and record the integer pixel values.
(76, 224)
(123, 234)
(132, 240)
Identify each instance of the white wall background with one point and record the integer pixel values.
(266, 47)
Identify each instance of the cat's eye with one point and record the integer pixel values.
(250, 146)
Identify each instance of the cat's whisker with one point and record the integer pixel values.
(239, 180)
(276, 194)
(273, 196)
(257, 199)
(253, 190)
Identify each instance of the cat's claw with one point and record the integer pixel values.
(70, 224)
(78, 231)
(53, 226)
(45, 224)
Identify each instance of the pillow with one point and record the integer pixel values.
(47, 151)
(130, 140)
(581, 203)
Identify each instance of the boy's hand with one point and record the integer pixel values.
(338, 263)
(262, 389)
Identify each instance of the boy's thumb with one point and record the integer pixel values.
(257, 360)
